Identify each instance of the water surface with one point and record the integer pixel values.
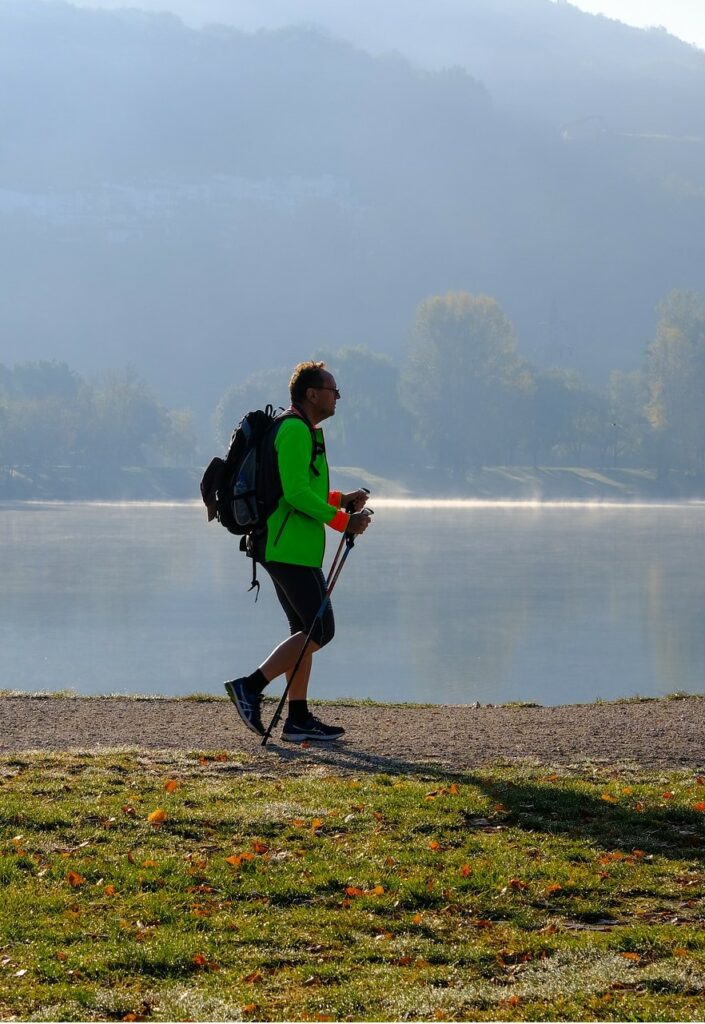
(451, 602)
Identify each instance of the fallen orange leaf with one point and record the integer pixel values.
(639, 806)
(608, 798)
(553, 887)
(516, 883)
(606, 858)
(667, 796)
(699, 806)
(453, 789)
(74, 879)
(378, 890)
(465, 870)
(199, 960)
(416, 919)
(157, 817)
(110, 890)
(171, 786)
(680, 951)
(249, 1007)
(254, 978)
(352, 890)
(434, 845)
(635, 957)
(259, 847)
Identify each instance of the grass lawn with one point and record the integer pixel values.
(179, 887)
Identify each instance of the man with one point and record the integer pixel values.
(291, 550)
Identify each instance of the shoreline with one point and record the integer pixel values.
(533, 484)
(649, 733)
(345, 702)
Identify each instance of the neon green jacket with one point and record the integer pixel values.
(296, 527)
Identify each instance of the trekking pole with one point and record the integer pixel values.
(349, 508)
(349, 540)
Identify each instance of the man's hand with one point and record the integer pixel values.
(359, 521)
(356, 499)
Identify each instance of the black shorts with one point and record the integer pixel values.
(301, 589)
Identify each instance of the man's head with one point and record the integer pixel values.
(313, 388)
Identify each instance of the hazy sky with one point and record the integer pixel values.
(683, 18)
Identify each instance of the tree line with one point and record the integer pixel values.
(464, 398)
(51, 416)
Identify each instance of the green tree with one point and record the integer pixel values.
(268, 387)
(370, 428)
(44, 406)
(126, 419)
(557, 404)
(675, 371)
(177, 444)
(45, 379)
(464, 382)
(626, 422)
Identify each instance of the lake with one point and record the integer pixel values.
(448, 602)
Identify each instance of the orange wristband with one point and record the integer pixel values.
(340, 521)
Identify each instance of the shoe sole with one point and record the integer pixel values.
(317, 739)
(245, 721)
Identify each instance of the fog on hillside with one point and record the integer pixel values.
(208, 204)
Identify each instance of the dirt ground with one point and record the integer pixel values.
(388, 738)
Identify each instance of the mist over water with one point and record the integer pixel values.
(445, 602)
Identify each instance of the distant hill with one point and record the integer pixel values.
(207, 203)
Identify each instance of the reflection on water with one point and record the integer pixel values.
(443, 602)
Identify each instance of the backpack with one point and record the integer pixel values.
(237, 490)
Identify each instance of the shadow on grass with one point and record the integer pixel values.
(538, 806)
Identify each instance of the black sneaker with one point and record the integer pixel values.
(247, 703)
(312, 729)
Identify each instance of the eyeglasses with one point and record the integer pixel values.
(324, 387)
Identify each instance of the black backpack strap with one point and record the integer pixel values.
(317, 447)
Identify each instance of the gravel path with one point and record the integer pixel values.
(653, 734)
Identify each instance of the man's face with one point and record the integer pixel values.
(326, 395)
